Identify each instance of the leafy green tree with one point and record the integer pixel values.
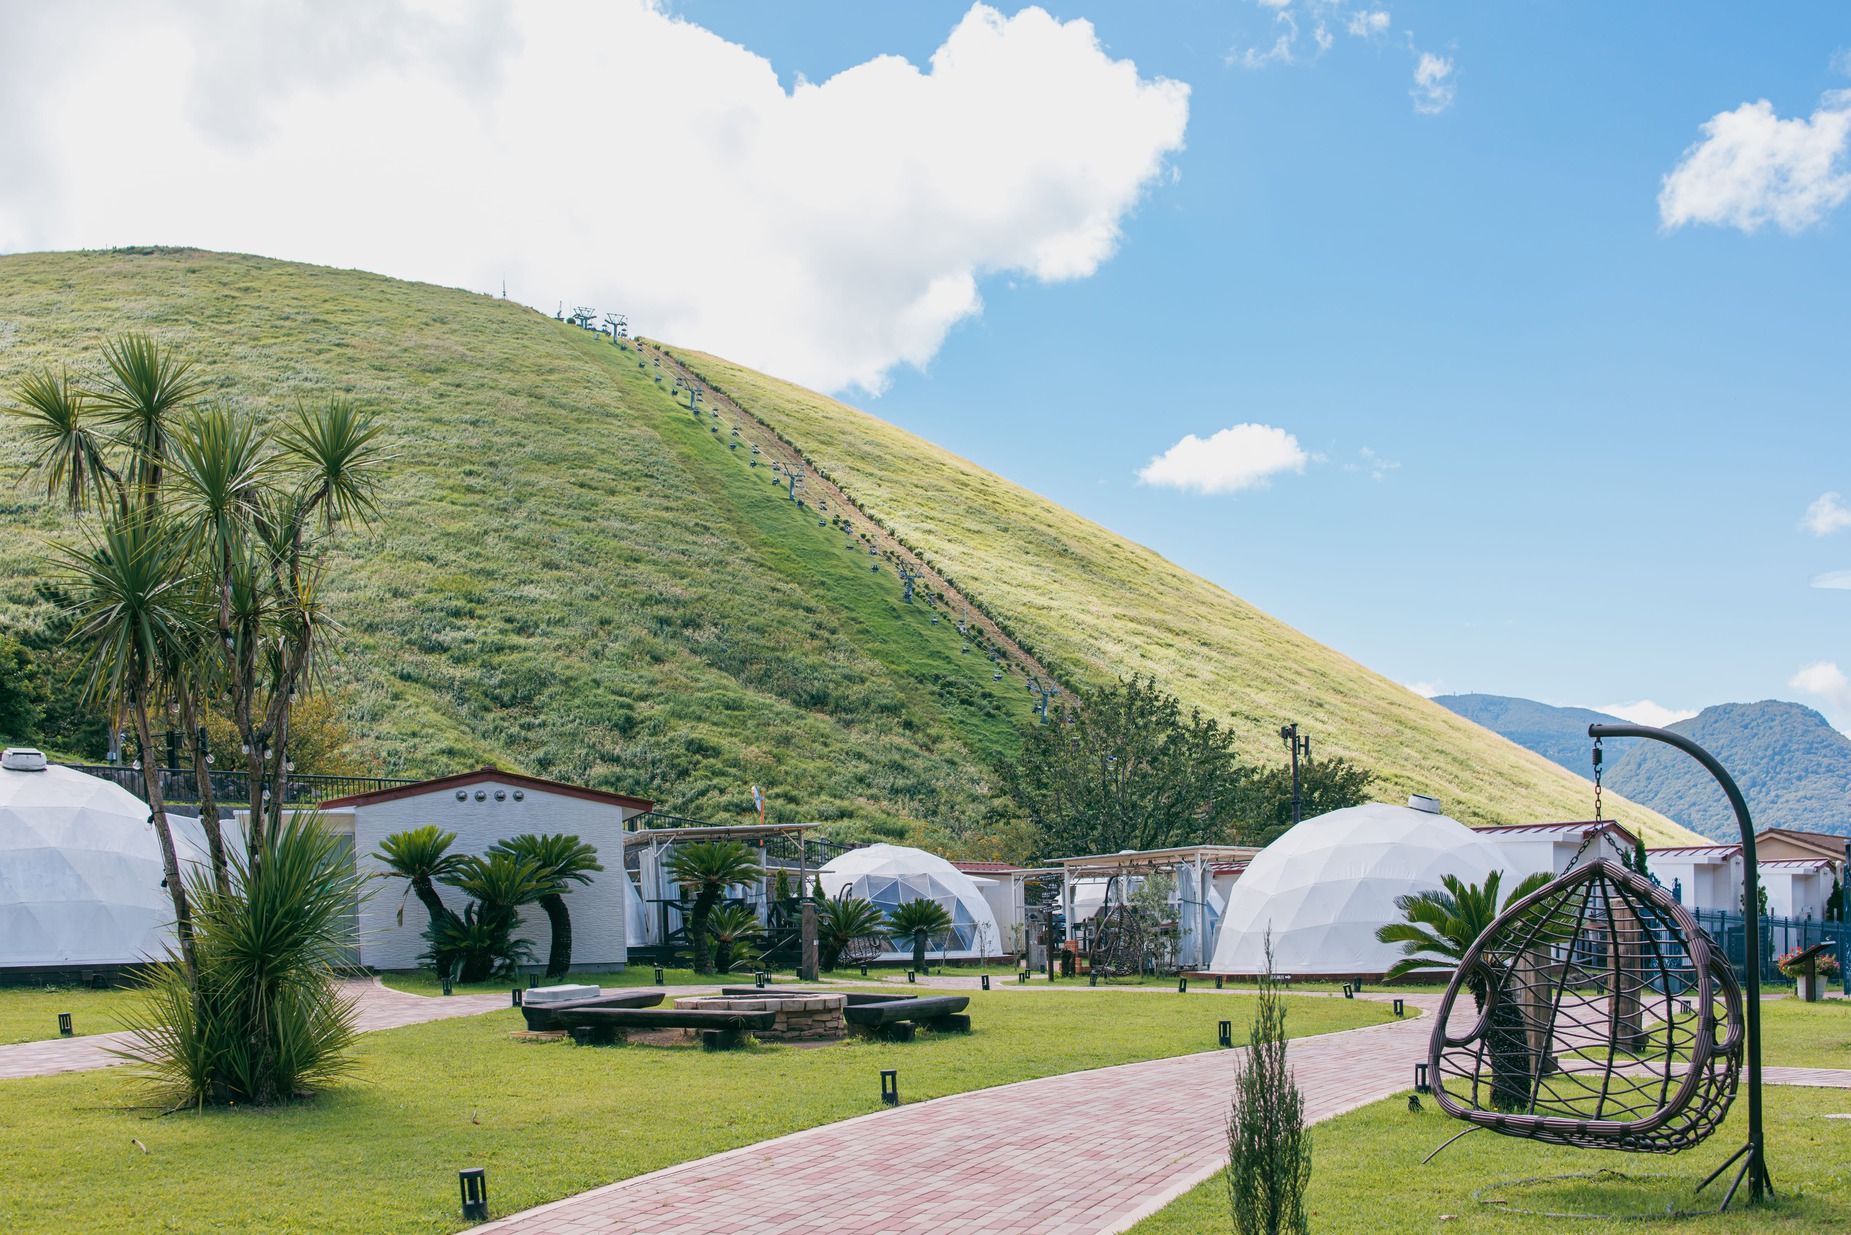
(1324, 785)
(732, 928)
(1127, 770)
(915, 923)
(22, 692)
(841, 921)
(560, 860)
(706, 869)
(422, 858)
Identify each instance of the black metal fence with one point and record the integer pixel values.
(779, 848)
(230, 788)
(1779, 936)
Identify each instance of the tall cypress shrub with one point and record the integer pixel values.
(1269, 1148)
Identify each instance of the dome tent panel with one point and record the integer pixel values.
(891, 875)
(1328, 884)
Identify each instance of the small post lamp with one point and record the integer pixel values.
(890, 1086)
(986, 981)
(446, 985)
(1401, 1008)
(864, 971)
(1217, 982)
(658, 975)
(1420, 1079)
(1227, 1033)
(1349, 992)
(514, 997)
(759, 977)
(1021, 977)
(474, 1185)
(909, 975)
(1182, 986)
(1092, 977)
(64, 1024)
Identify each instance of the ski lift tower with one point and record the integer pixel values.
(586, 317)
(618, 324)
(1046, 693)
(907, 575)
(794, 475)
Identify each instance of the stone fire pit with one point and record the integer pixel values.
(808, 1017)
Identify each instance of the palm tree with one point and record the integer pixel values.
(1441, 926)
(841, 921)
(560, 860)
(917, 921)
(731, 927)
(498, 885)
(707, 869)
(126, 591)
(421, 857)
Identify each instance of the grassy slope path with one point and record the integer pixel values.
(1090, 603)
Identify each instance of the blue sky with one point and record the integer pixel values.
(1591, 440)
(1492, 416)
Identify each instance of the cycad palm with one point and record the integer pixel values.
(1441, 926)
(559, 860)
(707, 869)
(732, 928)
(915, 922)
(499, 885)
(422, 858)
(841, 921)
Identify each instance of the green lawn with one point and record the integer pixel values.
(1806, 1035)
(380, 1153)
(1367, 1177)
(30, 1013)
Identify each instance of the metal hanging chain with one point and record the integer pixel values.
(1596, 780)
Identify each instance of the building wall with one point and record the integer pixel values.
(597, 909)
(1797, 894)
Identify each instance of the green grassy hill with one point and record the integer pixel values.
(577, 577)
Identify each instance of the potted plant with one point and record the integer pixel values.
(1824, 968)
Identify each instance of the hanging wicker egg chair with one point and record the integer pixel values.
(1604, 1018)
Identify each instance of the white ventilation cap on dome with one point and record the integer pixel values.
(22, 759)
(1424, 802)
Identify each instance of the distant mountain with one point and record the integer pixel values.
(1793, 767)
(1554, 733)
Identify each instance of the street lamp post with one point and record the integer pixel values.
(1298, 746)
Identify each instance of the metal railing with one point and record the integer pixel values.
(1779, 936)
(783, 848)
(229, 788)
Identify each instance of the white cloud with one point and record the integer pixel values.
(1371, 462)
(1434, 86)
(1242, 457)
(1426, 690)
(1752, 168)
(1645, 712)
(607, 154)
(1837, 579)
(1828, 682)
(1364, 23)
(1826, 515)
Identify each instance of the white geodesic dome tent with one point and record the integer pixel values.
(80, 872)
(891, 875)
(1329, 883)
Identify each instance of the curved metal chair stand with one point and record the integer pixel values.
(1604, 1020)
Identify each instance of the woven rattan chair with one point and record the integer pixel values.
(1604, 1019)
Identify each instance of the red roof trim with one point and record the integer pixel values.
(482, 775)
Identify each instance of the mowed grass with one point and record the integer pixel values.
(30, 1013)
(1367, 1177)
(570, 576)
(1091, 604)
(1806, 1035)
(380, 1153)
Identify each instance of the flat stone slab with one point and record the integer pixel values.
(567, 993)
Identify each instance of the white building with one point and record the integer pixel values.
(1327, 885)
(1797, 887)
(891, 875)
(1553, 847)
(484, 807)
(1700, 876)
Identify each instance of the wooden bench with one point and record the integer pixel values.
(540, 1017)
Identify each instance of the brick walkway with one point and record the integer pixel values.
(380, 1007)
